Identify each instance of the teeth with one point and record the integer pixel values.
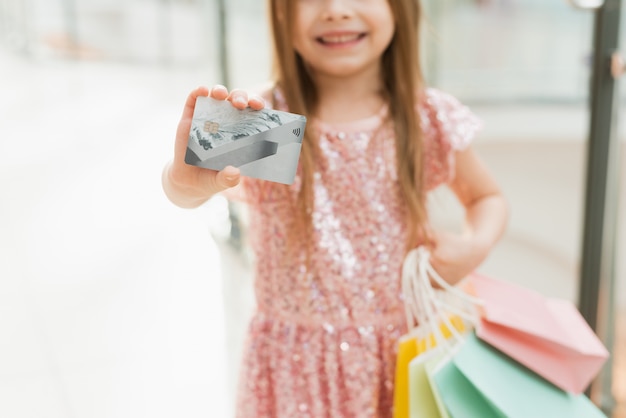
(339, 39)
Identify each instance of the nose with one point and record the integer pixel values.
(336, 10)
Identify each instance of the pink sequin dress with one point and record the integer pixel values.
(322, 342)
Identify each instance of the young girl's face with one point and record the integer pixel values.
(340, 38)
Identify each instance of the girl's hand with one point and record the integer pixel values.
(190, 186)
(455, 256)
(486, 212)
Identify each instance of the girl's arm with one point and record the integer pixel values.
(486, 214)
(189, 186)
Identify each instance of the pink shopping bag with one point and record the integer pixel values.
(548, 336)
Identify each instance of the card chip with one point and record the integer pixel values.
(211, 127)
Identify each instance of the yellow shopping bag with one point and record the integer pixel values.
(410, 346)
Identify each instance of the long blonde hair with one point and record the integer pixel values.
(403, 84)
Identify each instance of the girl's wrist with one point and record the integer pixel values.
(480, 247)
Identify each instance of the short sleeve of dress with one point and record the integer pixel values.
(459, 125)
(448, 126)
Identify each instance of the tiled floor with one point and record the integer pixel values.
(112, 303)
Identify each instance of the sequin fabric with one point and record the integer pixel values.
(322, 342)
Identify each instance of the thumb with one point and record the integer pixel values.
(228, 177)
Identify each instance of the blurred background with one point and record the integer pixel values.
(114, 303)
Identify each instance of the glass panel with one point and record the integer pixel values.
(523, 67)
(135, 31)
(248, 38)
(509, 50)
(619, 359)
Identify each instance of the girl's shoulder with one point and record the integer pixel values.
(447, 118)
(447, 126)
(440, 100)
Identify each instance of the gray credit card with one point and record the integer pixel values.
(264, 144)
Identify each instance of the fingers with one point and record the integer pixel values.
(228, 177)
(190, 104)
(219, 92)
(241, 99)
(256, 102)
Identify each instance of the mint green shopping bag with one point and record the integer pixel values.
(477, 381)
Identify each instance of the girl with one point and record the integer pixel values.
(330, 246)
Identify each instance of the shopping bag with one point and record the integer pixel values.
(407, 351)
(424, 399)
(547, 335)
(413, 345)
(478, 381)
(429, 327)
(429, 367)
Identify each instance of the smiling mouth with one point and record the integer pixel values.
(340, 39)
